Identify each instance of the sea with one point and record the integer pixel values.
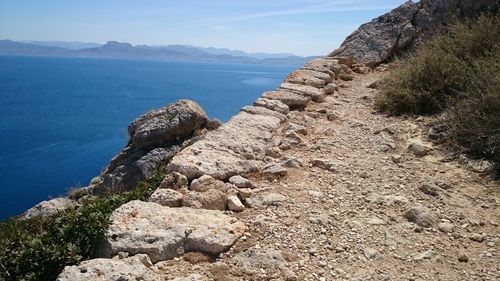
(63, 119)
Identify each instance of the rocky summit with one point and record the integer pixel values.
(308, 183)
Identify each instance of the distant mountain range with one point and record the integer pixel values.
(113, 49)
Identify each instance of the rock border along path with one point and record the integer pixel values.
(310, 184)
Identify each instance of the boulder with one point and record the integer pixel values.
(292, 100)
(211, 199)
(308, 77)
(163, 233)
(317, 95)
(167, 197)
(258, 110)
(49, 208)
(207, 182)
(134, 268)
(403, 28)
(154, 137)
(236, 148)
(275, 171)
(275, 105)
(420, 215)
(174, 181)
(241, 182)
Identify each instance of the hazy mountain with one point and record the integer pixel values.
(113, 49)
(71, 45)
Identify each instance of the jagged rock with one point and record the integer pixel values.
(265, 199)
(154, 136)
(420, 215)
(164, 233)
(174, 181)
(293, 100)
(401, 29)
(233, 149)
(346, 77)
(234, 203)
(331, 88)
(213, 124)
(430, 188)
(258, 110)
(425, 255)
(275, 105)
(324, 65)
(446, 227)
(256, 259)
(273, 151)
(317, 95)
(275, 171)
(295, 128)
(292, 162)
(419, 149)
(167, 197)
(134, 268)
(241, 182)
(308, 77)
(211, 199)
(49, 208)
(323, 163)
(207, 182)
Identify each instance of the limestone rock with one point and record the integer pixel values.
(275, 105)
(265, 199)
(419, 149)
(134, 268)
(255, 260)
(164, 233)
(235, 148)
(275, 171)
(317, 95)
(167, 197)
(234, 203)
(153, 137)
(241, 182)
(211, 199)
(308, 77)
(387, 199)
(331, 88)
(323, 163)
(174, 181)
(213, 124)
(420, 215)
(292, 100)
(207, 182)
(430, 188)
(257, 110)
(49, 208)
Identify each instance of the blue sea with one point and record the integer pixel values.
(63, 119)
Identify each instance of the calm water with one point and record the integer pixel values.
(62, 119)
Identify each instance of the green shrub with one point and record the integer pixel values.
(38, 249)
(457, 73)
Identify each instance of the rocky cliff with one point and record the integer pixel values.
(401, 29)
(308, 183)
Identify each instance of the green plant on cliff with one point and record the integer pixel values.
(458, 73)
(39, 248)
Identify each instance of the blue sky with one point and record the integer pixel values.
(304, 27)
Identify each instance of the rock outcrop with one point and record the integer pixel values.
(155, 136)
(164, 233)
(401, 29)
(49, 208)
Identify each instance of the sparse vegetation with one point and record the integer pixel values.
(38, 249)
(458, 73)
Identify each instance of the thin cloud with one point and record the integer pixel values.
(341, 6)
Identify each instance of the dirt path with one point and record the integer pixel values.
(342, 215)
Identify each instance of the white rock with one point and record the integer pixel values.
(164, 233)
(241, 182)
(234, 203)
(49, 207)
(134, 268)
(167, 197)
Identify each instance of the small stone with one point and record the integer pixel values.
(477, 237)
(370, 253)
(234, 203)
(213, 124)
(275, 171)
(322, 163)
(274, 152)
(241, 182)
(376, 221)
(420, 215)
(425, 255)
(419, 149)
(446, 227)
(396, 158)
(167, 197)
(429, 189)
(463, 258)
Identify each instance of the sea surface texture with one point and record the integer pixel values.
(63, 119)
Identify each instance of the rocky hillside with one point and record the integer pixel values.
(308, 183)
(403, 28)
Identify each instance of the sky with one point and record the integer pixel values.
(302, 27)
